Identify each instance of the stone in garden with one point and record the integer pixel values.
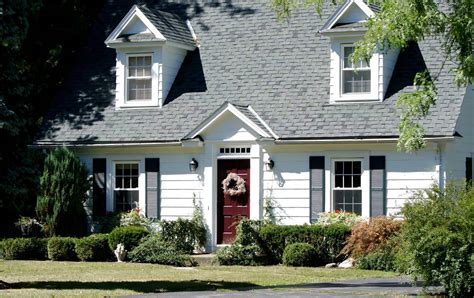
(331, 265)
(120, 252)
(348, 263)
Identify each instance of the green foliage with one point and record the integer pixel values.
(241, 255)
(94, 248)
(134, 218)
(23, 249)
(154, 250)
(200, 230)
(300, 255)
(130, 237)
(338, 217)
(62, 249)
(328, 240)
(370, 236)
(248, 232)
(63, 190)
(438, 236)
(109, 222)
(28, 226)
(382, 259)
(183, 232)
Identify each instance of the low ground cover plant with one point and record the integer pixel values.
(157, 251)
(62, 249)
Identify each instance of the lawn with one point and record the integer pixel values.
(46, 278)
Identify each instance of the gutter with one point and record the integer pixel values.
(118, 145)
(354, 140)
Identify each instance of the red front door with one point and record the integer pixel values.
(230, 209)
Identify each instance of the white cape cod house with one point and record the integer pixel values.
(167, 99)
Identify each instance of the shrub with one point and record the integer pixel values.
(134, 218)
(328, 240)
(130, 237)
(94, 248)
(108, 222)
(61, 249)
(23, 249)
(438, 235)
(29, 227)
(236, 254)
(63, 188)
(370, 236)
(248, 232)
(182, 232)
(339, 217)
(299, 255)
(200, 231)
(382, 259)
(154, 250)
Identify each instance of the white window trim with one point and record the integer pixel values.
(333, 181)
(127, 78)
(114, 165)
(336, 84)
(122, 75)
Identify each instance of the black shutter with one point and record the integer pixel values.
(316, 168)
(152, 169)
(469, 170)
(378, 186)
(99, 186)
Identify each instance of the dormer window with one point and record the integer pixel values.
(355, 78)
(139, 79)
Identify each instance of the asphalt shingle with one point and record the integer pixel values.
(246, 57)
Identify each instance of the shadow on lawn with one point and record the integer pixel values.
(151, 286)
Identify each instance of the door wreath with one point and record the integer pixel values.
(233, 185)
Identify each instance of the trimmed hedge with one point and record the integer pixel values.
(62, 249)
(328, 240)
(130, 237)
(94, 248)
(24, 249)
(299, 255)
(241, 255)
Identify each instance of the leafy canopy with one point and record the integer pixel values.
(396, 25)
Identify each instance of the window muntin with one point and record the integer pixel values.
(126, 186)
(347, 190)
(355, 77)
(139, 79)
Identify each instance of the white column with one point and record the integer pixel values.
(255, 181)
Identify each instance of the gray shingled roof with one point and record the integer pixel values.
(246, 57)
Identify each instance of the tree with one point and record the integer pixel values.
(396, 25)
(63, 189)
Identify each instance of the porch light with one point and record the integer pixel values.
(193, 165)
(269, 164)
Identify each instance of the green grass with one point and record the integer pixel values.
(46, 278)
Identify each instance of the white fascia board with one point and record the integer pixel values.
(357, 140)
(340, 12)
(134, 11)
(263, 122)
(226, 107)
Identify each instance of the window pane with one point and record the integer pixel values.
(126, 200)
(348, 167)
(147, 61)
(347, 53)
(135, 169)
(356, 82)
(356, 167)
(118, 169)
(357, 209)
(339, 196)
(356, 181)
(338, 181)
(347, 181)
(135, 182)
(338, 168)
(348, 197)
(132, 61)
(357, 196)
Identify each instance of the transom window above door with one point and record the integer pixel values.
(347, 191)
(126, 186)
(139, 78)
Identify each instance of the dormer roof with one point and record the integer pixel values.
(351, 16)
(142, 24)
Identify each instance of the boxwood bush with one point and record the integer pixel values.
(130, 237)
(328, 240)
(62, 249)
(23, 249)
(299, 255)
(154, 250)
(241, 255)
(94, 248)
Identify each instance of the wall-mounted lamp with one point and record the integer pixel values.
(193, 165)
(269, 164)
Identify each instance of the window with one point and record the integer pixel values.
(234, 150)
(347, 191)
(139, 78)
(355, 77)
(126, 186)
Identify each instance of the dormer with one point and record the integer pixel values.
(364, 80)
(150, 47)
